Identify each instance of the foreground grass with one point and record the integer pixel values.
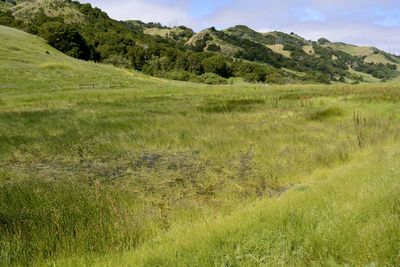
(94, 172)
(347, 216)
(88, 172)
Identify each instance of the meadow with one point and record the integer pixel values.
(163, 173)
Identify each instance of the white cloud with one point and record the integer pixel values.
(148, 11)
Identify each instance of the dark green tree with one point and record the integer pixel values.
(67, 39)
(218, 65)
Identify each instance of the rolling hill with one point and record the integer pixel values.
(47, 68)
(26, 10)
(169, 52)
(293, 52)
(370, 54)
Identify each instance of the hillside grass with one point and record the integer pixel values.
(226, 47)
(163, 32)
(308, 49)
(30, 64)
(352, 49)
(368, 78)
(278, 48)
(157, 172)
(377, 58)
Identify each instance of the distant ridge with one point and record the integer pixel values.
(180, 53)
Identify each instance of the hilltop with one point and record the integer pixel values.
(27, 10)
(209, 56)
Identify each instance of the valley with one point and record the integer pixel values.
(166, 147)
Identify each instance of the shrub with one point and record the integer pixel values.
(6, 18)
(209, 78)
(118, 61)
(217, 65)
(178, 75)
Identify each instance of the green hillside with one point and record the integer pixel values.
(151, 172)
(370, 54)
(26, 10)
(322, 60)
(28, 62)
(210, 56)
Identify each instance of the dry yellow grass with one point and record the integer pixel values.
(352, 49)
(165, 32)
(278, 48)
(376, 59)
(309, 49)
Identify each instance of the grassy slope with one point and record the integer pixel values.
(377, 58)
(367, 77)
(361, 51)
(366, 51)
(29, 63)
(309, 49)
(163, 32)
(352, 49)
(226, 48)
(113, 169)
(278, 48)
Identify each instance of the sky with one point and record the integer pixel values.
(361, 22)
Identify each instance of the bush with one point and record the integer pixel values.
(118, 61)
(213, 48)
(178, 75)
(209, 78)
(6, 19)
(217, 65)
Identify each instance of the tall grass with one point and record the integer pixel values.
(49, 219)
(161, 158)
(346, 216)
(92, 172)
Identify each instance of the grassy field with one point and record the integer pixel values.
(162, 173)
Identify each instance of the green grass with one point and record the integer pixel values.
(157, 172)
(377, 58)
(30, 64)
(346, 216)
(352, 49)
